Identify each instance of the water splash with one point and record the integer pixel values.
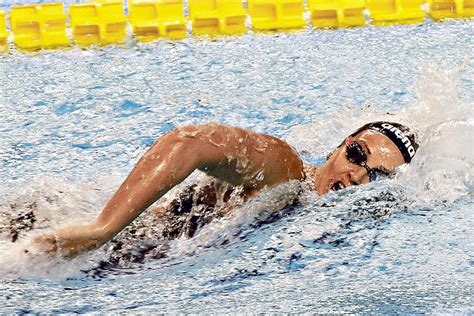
(443, 167)
(40, 205)
(264, 208)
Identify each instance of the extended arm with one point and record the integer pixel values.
(237, 156)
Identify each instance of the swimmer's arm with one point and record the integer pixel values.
(168, 162)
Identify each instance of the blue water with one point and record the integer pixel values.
(74, 122)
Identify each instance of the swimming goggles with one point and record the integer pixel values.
(356, 155)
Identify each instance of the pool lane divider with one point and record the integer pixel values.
(215, 17)
(449, 9)
(3, 31)
(339, 13)
(39, 26)
(269, 15)
(154, 19)
(396, 12)
(102, 22)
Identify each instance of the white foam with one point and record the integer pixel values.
(228, 230)
(54, 202)
(442, 169)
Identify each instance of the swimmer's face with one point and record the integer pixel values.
(342, 168)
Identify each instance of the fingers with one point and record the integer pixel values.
(43, 245)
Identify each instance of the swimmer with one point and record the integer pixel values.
(236, 160)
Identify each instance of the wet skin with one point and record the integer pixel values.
(231, 155)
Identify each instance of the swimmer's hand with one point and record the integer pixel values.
(43, 244)
(68, 242)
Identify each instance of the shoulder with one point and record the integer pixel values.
(236, 137)
(206, 126)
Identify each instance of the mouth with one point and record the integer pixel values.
(337, 186)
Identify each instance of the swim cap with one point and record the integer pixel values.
(399, 135)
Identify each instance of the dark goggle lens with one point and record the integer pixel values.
(355, 153)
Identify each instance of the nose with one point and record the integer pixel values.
(359, 175)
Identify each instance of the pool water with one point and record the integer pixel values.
(73, 123)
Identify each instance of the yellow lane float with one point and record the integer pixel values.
(39, 26)
(98, 22)
(3, 31)
(217, 17)
(389, 12)
(276, 14)
(159, 18)
(337, 13)
(443, 9)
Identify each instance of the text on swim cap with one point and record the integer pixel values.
(400, 135)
